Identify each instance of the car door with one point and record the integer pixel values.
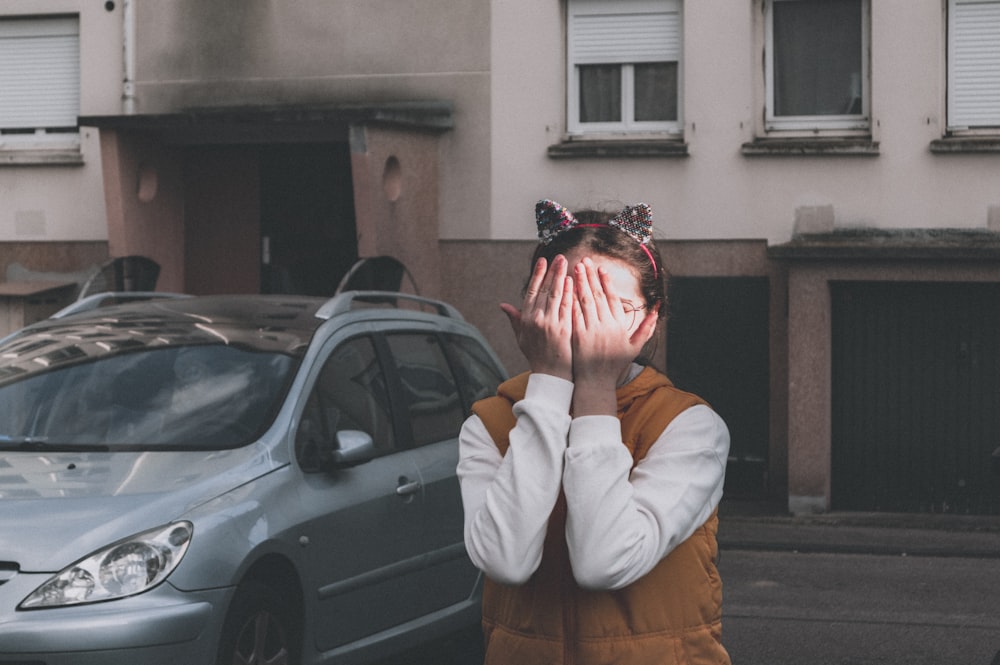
(437, 390)
(367, 534)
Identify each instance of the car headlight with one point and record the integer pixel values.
(125, 568)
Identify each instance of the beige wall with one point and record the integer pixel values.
(234, 52)
(716, 192)
(502, 64)
(66, 202)
(396, 200)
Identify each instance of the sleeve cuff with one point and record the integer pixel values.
(593, 430)
(550, 390)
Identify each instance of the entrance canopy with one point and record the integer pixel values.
(250, 124)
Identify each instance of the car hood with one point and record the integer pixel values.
(56, 508)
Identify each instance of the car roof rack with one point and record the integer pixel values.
(349, 300)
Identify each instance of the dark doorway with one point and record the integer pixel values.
(718, 348)
(221, 220)
(915, 396)
(308, 232)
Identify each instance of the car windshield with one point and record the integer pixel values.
(149, 398)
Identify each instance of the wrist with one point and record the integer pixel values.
(559, 373)
(594, 399)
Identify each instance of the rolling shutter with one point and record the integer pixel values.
(39, 73)
(974, 64)
(629, 31)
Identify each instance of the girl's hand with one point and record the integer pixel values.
(603, 346)
(544, 324)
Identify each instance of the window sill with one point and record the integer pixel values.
(812, 147)
(965, 145)
(40, 158)
(594, 148)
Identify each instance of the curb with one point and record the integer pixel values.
(879, 534)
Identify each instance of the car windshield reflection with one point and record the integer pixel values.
(176, 397)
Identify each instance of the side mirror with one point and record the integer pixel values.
(995, 461)
(352, 447)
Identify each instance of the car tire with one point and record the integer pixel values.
(258, 629)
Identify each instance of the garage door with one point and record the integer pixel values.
(717, 347)
(915, 396)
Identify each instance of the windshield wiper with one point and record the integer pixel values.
(42, 444)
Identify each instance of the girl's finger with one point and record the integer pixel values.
(646, 327)
(585, 294)
(513, 314)
(598, 290)
(615, 308)
(566, 302)
(535, 283)
(554, 284)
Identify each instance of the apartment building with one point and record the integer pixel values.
(825, 177)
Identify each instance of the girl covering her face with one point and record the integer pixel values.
(590, 483)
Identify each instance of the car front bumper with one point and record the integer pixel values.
(163, 625)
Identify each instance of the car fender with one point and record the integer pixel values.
(238, 528)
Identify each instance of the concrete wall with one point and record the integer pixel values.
(257, 53)
(809, 357)
(717, 192)
(64, 202)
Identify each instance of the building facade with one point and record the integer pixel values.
(825, 177)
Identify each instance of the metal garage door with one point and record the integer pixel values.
(717, 347)
(916, 396)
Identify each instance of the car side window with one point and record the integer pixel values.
(349, 394)
(430, 394)
(477, 372)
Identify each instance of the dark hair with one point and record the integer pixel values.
(593, 235)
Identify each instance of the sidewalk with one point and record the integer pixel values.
(748, 525)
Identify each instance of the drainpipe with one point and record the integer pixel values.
(128, 57)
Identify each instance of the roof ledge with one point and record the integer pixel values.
(891, 244)
(434, 115)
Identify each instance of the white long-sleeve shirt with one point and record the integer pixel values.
(620, 522)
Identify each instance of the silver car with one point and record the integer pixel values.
(238, 479)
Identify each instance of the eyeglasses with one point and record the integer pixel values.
(632, 310)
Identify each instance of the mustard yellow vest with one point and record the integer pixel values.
(671, 616)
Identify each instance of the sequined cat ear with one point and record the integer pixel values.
(635, 220)
(552, 219)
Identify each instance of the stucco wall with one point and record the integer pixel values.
(717, 191)
(66, 202)
(315, 52)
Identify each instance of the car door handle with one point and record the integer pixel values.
(407, 487)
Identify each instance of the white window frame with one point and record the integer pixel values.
(974, 66)
(817, 123)
(629, 52)
(33, 115)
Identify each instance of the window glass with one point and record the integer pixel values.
(349, 394)
(656, 91)
(600, 93)
(817, 57)
(624, 65)
(431, 396)
(209, 396)
(478, 375)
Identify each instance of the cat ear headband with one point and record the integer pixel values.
(635, 220)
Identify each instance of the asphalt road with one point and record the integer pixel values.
(849, 589)
(787, 608)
